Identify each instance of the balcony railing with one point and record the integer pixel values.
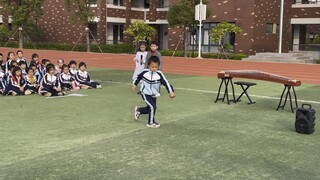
(307, 1)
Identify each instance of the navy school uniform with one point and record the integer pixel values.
(23, 60)
(2, 85)
(3, 66)
(14, 84)
(83, 78)
(73, 72)
(65, 81)
(7, 66)
(41, 70)
(38, 76)
(150, 89)
(24, 72)
(48, 84)
(32, 84)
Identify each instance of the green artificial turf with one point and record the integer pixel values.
(96, 137)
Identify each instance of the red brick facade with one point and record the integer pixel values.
(251, 15)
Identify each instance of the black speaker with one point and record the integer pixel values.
(305, 119)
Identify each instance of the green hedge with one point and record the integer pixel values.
(204, 55)
(115, 48)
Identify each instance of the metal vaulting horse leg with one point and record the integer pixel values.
(225, 82)
(217, 98)
(287, 93)
(285, 88)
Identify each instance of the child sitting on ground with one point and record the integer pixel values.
(49, 85)
(152, 79)
(32, 82)
(35, 72)
(73, 68)
(20, 57)
(59, 65)
(16, 84)
(66, 80)
(23, 66)
(83, 78)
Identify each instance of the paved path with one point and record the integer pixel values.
(307, 73)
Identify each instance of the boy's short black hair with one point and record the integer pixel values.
(82, 64)
(154, 43)
(32, 64)
(44, 61)
(15, 69)
(34, 55)
(22, 62)
(28, 69)
(49, 66)
(19, 51)
(154, 59)
(13, 62)
(1, 54)
(64, 66)
(72, 62)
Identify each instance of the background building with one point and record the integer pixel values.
(259, 20)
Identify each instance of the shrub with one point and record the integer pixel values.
(114, 48)
(204, 55)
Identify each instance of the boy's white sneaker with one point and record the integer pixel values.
(136, 113)
(154, 125)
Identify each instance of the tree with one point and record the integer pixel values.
(140, 31)
(4, 33)
(218, 32)
(80, 10)
(25, 14)
(183, 14)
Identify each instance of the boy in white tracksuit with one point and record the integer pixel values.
(151, 79)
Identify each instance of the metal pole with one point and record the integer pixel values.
(281, 26)
(87, 39)
(200, 24)
(20, 38)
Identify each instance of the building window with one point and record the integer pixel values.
(93, 27)
(118, 34)
(272, 28)
(161, 4)
(93, 3)
(207, 44)
(146, 3)
(269, 28)
(118, 2)
(10, 19)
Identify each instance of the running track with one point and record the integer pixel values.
(307, 73)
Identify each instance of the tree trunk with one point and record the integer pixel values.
(185, 42)
(20, 38)
(88, 39)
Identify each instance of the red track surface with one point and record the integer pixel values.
(306, 73)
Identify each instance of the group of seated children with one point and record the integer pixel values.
(20, 77)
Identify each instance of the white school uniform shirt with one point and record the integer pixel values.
(140, 61)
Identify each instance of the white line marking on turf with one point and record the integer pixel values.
(69, 95)
(215, 92)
